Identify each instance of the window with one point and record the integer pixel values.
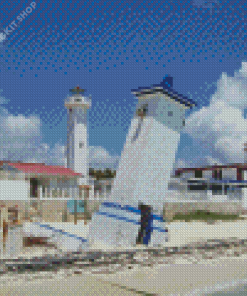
(197, 187)
(81, 145)
(183, 122)
(142, 111)
(78, 100)
(170, 113)
(220, 175)
(217, 189)
(198, 174)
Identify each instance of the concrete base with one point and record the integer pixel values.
(119, 226)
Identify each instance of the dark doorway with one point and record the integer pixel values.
(145, 231)
(34, 187)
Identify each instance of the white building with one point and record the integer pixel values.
(212, 183)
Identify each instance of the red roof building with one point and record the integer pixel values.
(41, 168)
(216, 170)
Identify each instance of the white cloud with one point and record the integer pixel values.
(212, 161)
(221, 126)
(99, 157)
(21, 139)
(182, 163)
(22, 126)
(197, 162)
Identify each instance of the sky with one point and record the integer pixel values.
(109, 48)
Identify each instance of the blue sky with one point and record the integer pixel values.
(109, 48)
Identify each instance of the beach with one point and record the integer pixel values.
(194, 269)
(174, 279)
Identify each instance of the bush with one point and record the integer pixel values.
(204, 216)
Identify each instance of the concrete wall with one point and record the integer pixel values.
(229, 173)
(14, 190)
(185, 195)
(91, 206)
(244, 198)
(207, 174)
(21, 206)
(53, 211)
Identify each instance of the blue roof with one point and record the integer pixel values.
(166, 86)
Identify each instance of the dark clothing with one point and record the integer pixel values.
(144, 234)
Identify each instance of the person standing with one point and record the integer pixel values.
(144, 234)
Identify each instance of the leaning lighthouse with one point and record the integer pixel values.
(77, 136)
(133, 214)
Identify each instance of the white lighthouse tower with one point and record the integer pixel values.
(77, 136)
(141, 183)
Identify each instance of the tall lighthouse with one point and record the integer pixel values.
(77, 136)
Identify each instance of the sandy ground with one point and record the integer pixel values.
(181, 233)
(175, 279)
(181, 278)
(74, 285)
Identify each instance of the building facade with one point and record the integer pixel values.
(38, 191)
(211, 183)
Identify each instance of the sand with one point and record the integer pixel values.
(174, 279)
(180, 278)
(181, 233)
(74, 285)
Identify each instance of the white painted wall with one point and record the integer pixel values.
(185, 195)
(146, 163)
(14, 190)
(188, 175)
(230, 173)
(207, 174)
(156, 164)
(244, 197)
